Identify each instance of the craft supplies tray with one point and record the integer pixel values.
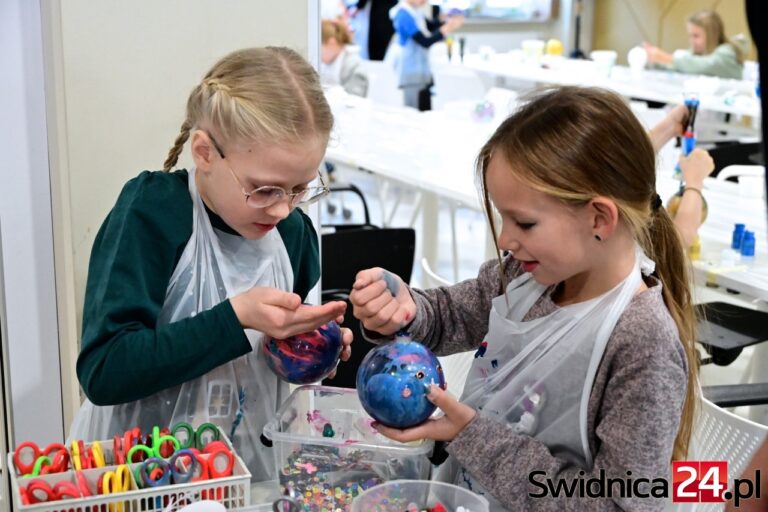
(327, 453)
(232, 490)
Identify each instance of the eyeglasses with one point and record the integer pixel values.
(268, 195)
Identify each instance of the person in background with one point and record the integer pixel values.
(415, 34)
(694, 168)
(373, 26)
(711, 53)
(192, 270)
(340, 65)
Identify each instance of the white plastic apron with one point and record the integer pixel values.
(240, 396)
(537, 375)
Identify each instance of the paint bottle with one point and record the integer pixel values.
(738, 233)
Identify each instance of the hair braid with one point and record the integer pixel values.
(173, 154)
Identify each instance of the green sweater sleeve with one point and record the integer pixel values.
(722, 62)
(300, 239)
(124, 354)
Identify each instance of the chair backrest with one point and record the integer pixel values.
(751, 179)
(383, 87)
(345, 253)
(431, 278)
(738, 171)
(721, 435)
(750, 153)
(456, 83)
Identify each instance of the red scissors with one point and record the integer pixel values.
(56, 464)
(215, 461)
(38, 491)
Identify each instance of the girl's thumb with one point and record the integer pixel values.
(287, 300)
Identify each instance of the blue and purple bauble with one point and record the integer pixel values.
(392, 383)
(307, 357)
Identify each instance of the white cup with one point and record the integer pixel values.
(604, 61)
(637, 58)
(533, 49)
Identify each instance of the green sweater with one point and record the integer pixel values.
(124, 354)
(722, 62)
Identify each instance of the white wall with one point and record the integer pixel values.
(25, 220)
(117, 78)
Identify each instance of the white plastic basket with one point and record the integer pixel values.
(232, 491)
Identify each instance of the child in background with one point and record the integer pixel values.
(415, 34)
(694, 169)
(191, 270)
(710, 53)
(338, 64)
(590, 367)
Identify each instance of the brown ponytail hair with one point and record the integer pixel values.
(267, 93)
(579, 143)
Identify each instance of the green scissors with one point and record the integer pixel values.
(195, 438)
(154, 450)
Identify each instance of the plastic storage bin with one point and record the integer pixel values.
(327, 452)
(232, 491)
(397, 496)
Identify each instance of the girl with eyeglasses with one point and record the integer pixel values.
(192, 269)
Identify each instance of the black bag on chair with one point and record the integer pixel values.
(345, 253)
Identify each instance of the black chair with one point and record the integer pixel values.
(726, 329)
(345, 253)
(736, 154)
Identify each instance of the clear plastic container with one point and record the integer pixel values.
(398, 496)
(327, 452)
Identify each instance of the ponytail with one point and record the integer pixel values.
(173, 154)
(665, 246)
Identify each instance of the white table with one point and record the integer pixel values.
(718, 95)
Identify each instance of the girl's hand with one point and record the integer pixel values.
(445, 428)
(656, 55)
(452, 24)
(346, 342)
(673, 125)
(696, 166)
(381, 301)
(281, 314)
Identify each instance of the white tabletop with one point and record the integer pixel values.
(716, 94)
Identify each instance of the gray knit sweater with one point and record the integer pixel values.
(633, 412)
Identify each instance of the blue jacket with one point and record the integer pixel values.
(413, 66)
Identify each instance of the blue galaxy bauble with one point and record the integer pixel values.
(392, 383)
(307, 357)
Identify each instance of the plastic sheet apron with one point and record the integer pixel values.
(537, 375)
(240, 396)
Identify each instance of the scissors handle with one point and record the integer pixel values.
(219, 453)
(179, 476)
(163, 479)
(285, 504)
(24, 468)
